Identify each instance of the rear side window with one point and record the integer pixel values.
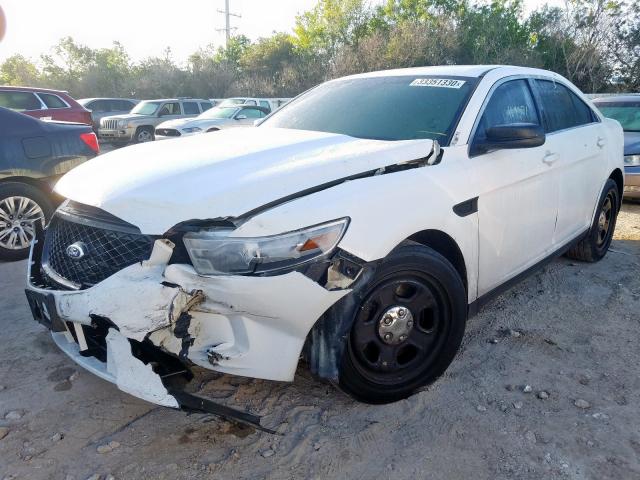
(52, 101)
(561, 107)
(99, 106)
(20, 101)
(125, 105)
(265, 104)
(190, 108)
(205, 106)
(512, 102)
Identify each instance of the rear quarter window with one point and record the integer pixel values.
(52, 101)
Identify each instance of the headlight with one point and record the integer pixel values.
(214, 252)
(632, 160)
(122, 123)
(191, 130)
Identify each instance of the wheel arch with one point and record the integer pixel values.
(34, 182)
(446, 246)
(618, 177)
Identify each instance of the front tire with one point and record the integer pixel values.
(408, 328)
(21, 206)
(143, 135)
(596, 244)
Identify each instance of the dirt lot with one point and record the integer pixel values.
(569, 333)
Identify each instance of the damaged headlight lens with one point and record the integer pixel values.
(214, 252)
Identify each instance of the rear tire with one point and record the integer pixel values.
(21, 205)
(407, 329)
(595, 245)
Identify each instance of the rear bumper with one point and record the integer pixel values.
(249, 326)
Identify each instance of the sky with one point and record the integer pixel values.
(145, 27)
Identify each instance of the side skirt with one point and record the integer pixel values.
(475, 306)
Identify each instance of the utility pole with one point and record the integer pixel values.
(227, 21)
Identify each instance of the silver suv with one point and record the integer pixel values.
(139, 125)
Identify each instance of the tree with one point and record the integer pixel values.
(18, 70)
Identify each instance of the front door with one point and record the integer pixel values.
(517, 192)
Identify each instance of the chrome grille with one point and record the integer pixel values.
(110, 124)
(109, 248)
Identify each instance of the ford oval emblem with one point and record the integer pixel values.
(76, 251)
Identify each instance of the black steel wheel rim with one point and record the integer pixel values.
(605, 220)
(407, 360)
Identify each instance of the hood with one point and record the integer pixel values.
(632, 143)
(157, 185)
(126, 116)
(175, 123)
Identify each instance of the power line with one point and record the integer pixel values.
(227, 21)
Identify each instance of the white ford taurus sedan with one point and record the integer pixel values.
(359, 226)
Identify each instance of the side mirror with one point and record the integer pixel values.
(515, 135)
(241, 117)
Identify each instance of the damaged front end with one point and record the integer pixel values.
(132, 309)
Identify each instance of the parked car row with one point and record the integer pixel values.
(218, 118)
(138, 126)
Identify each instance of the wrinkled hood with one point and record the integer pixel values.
(159, 184)
(632, 143)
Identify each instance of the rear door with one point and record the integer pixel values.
(517, 193)
(56, 107)
(575, 143)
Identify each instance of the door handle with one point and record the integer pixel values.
(550, 158)
(601, 142)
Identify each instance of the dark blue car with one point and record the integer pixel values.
(626, 110)
(33, 156)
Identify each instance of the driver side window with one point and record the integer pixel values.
(512, 102)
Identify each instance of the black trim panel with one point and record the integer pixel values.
(475, 306)
(466, 208)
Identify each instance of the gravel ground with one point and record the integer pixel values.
(546, 386)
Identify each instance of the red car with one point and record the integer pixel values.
(44, 104)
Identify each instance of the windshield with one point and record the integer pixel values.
(146, 108)
(627, 113)
(381, 108)
(232, 101)
(219, 112)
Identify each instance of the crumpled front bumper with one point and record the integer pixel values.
(249, 326)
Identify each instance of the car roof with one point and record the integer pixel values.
(176, 100)
(33, 89)
(457, 71)
(624, 98)
(86, 100)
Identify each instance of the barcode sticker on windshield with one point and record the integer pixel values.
(437, 82)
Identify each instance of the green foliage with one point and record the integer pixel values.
(594, 43)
